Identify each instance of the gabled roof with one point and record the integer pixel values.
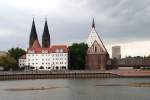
(94, 36)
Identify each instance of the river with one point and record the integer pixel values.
(75, 89)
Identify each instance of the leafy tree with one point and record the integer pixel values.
(16, 53)
(77, 54)
(8, 62)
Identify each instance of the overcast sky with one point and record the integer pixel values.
(118, 22)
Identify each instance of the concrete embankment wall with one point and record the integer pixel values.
(55, 75)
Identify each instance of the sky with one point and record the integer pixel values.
(118, 22)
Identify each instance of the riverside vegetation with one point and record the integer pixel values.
(77, 53)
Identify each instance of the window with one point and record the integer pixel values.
(63, 67)
(31, 51)
(41, 67)
(57, 50)
(61, 50)
(32, 67)
(57, 67)
(95, 49)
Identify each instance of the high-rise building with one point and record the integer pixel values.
(116, 52)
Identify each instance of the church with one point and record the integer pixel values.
(45, 56)
(97, 54)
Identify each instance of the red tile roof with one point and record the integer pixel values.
(59, 47)
(23, 56)
(53, 49)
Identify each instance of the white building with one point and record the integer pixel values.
(47, 57)
(54, 58)
(22, 61)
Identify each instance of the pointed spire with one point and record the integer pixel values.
(46, 36)
(33, 34)
(93, 23)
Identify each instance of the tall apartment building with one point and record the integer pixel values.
(116, 52)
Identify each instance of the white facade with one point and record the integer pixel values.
(57, 60)
(22, 62)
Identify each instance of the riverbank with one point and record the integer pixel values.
(73, 74)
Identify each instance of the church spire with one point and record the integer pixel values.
(46, 36)
(93, 23)
(33, 34)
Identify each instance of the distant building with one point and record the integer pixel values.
(116, 52)
(97, 54)
(45, 57)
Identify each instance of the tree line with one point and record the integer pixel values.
(77, 54)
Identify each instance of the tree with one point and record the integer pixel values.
(77, 54)
(8, 62)
(16, 53)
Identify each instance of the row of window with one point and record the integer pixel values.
(57, 55)
(56, 67)
(48, 59)
(46, 51)
(48, 63)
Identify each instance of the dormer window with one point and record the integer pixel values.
(44, 51)
(57, 50)
(61, 50)
(31, 51)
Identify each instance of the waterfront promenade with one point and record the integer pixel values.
(22, 75)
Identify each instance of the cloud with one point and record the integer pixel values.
(123, 21)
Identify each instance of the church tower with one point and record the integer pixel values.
(97, 54)
(33, 34)
(46, 37)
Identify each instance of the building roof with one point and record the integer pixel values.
(94, 36)
(33, 34)
(46, 36)
(23, 56)
(52, 49)
(63, 47)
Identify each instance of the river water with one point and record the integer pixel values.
(76, 89)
